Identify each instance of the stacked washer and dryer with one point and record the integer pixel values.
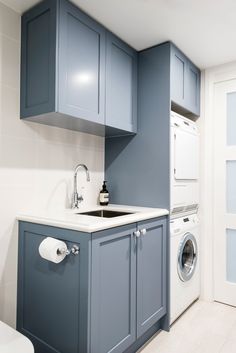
(184, 223)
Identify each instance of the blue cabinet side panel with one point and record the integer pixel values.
(53, 299)
(38, 59)
(137, 168)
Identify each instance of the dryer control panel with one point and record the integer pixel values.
(183, 224)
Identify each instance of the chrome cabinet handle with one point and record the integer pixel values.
(137, 234)
(143, 231)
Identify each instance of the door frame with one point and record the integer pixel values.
(209, 78)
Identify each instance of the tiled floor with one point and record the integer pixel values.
(204, 328)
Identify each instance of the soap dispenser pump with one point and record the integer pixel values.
(104, 195)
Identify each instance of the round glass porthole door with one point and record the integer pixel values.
(187, 258)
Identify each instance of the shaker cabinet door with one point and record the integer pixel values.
(151, 274)
(178, 76)
(81, 65)
(113, 290)
(121, 85)
(193, 89)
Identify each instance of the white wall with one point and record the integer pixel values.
(36, 162)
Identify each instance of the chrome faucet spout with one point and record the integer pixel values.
(85, 168)
(76, 197)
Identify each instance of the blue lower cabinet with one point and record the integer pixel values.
(113, 291)
(151, 274)
(128, 284)
(105, 299)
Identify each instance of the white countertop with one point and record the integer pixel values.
(70, 219)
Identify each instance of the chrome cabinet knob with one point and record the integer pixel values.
(137, 234)
(143, 231)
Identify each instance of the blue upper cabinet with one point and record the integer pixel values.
(64, 73)
(121, 85)
(81, 65)
(185, 82)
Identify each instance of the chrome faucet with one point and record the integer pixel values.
(76, 197)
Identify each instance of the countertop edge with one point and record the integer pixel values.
(138, 217)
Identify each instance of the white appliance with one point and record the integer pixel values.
(184, 165)
(12, 341)
(185, 270)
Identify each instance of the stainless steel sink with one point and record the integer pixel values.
(105, 213)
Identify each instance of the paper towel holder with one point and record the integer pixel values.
(74, 250)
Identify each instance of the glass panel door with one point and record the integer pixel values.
(224, 202)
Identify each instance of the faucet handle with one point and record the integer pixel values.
(76, 200)
(80, 198)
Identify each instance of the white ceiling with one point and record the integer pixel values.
(205, 30)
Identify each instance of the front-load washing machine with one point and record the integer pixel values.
(185, 269)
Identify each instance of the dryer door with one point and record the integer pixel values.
(186, 151)
(187, 257)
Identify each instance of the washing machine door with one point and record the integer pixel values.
(187, 257)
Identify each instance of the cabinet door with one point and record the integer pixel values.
(81, 65)
(193, 89)
(113, 290)
(178, 76)
(49, 296)
(151, 274)
(38, 60)
(121, 85)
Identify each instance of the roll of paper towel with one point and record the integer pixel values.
(53, 250)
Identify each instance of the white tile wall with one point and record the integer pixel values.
(36, 162)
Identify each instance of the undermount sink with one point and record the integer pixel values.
(105, 213)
